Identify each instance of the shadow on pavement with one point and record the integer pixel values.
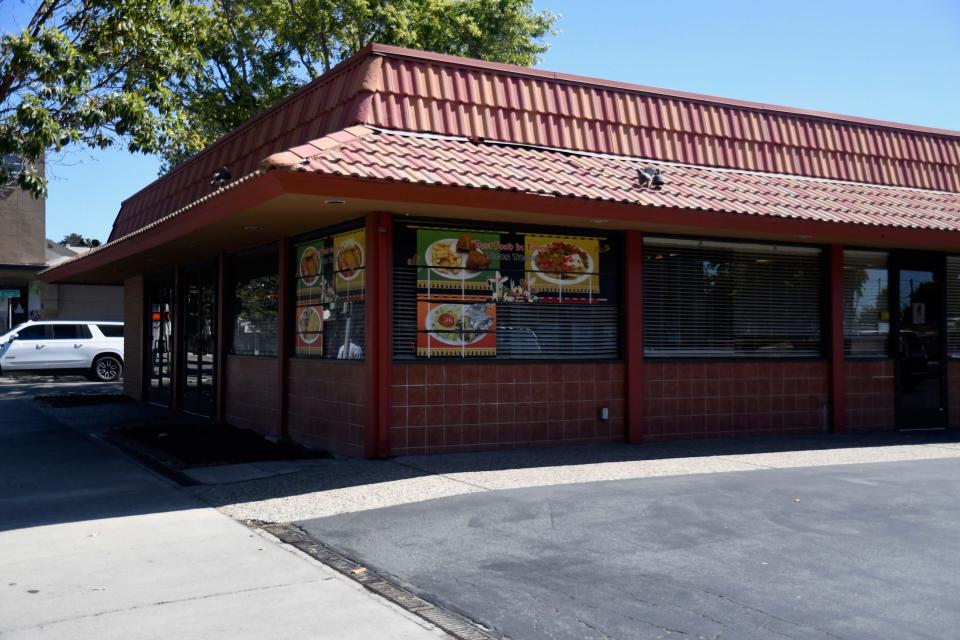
(52, 474)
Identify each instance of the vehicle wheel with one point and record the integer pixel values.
(106, 369)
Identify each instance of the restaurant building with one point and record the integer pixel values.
(420, 253)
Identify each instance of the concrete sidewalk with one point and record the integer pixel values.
(94, 546)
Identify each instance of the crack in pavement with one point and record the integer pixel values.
(160, 603)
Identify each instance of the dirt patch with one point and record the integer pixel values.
(59, 401)
(183, 444)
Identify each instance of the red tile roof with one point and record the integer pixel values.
(402, 89)
(364, 152)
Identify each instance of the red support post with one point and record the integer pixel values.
(283, 333)
(175, 369)
(220, 353)
(379, 241)
(633, 293)
(837, 373)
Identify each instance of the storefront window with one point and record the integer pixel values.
(953, 306)
(255, 302)
(330, 278)
(706, 298)
(487, 291)
(866, 312)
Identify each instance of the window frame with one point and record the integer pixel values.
(615, 236)
(319, 234)
(231, 303)
(889, 355)
(823, 284)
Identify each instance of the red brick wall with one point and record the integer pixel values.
(251, 393)
(703, 399)
(327, 404)
(953, 392)
(869, 395)
(481, 406)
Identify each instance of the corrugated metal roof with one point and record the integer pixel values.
(403, 89)
(364, 152)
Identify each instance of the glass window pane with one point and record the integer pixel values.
(485, 291)
(953, 306)
(330, 277)
(706, 298)
(866, 313)
(33, 332)
(255, 303)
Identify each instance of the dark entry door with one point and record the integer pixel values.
(160, 339)
(921, 401)
(197, 362)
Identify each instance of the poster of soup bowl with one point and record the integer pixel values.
(310, 259)
(454, 329)
(309, 335)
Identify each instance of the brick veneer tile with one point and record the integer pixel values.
(487, 406)
(869, 389)
(698, 399)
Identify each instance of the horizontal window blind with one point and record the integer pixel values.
(866, 310)
(705, 298)
(953, 306)
(524, 331)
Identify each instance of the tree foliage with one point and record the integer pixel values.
(93, 72)
(258, 51)
(77, 240)
(169, 77)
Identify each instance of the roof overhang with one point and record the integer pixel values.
(268, 206)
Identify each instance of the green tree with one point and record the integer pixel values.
(94, 73)
(258, 51)
(171, 76)
(77, 240)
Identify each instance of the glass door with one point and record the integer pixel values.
(159, 349)
(921, 401)
(198, 366)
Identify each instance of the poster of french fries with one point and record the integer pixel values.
(456, 259)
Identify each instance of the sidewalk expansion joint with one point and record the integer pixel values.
(447, 621)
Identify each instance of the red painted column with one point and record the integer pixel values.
(177, 346)
(283, 333)
(837, 372)
(633, 304)
(221, 353)
(379, 240)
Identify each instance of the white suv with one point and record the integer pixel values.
(95, 348)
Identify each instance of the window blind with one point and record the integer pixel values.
(705, 298)
(953, 306)
(866, 311)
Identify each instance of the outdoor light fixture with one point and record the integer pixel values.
(221, 177)
(335, 202)
(650, 177)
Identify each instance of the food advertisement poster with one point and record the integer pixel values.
(564, 265)
(310, 268)
(457, 259)
(455, 329)
(349, 258)
(309, 341)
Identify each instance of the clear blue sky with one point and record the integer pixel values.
(886, 59)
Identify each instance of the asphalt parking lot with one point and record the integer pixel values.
(26, 386)
(855, 551)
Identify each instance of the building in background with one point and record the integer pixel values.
(419, 253)
(25, 251)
